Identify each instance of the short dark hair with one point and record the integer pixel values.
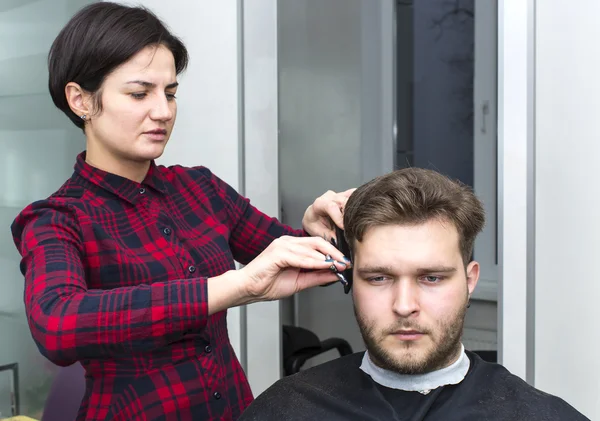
(98, 39)
(414, 196)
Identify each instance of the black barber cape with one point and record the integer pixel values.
(340, 390)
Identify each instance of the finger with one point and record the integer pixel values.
(317, 278)
(306, 258)
(307, 251)
(297, 261)
(322, 201)
(340, 200)
(328, 194)
(311, 253)
(334, 212)
(328, 234)
(324, 247)
(348, 192)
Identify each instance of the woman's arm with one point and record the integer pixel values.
(70, 322)
(252, 231)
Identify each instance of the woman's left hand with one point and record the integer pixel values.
(326, 209)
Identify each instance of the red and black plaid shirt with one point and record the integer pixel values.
(115, 277)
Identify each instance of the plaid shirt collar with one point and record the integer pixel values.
(122, 187)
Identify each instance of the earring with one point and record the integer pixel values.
(83, 117)
(469, 304)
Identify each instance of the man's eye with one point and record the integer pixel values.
(139, 95)
(433, 279)
(377, 279)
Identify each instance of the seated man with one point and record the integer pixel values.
(411, 233)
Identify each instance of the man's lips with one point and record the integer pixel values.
(156, 131)
(408, 334)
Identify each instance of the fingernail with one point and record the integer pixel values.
(346, 259)
(329, 260)
(345, 265)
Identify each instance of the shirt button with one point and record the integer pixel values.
(208, 349)
(142, 190)
(167, 231)
(192, 269)
(217, 395)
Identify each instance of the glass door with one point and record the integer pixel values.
(446, 121)
(446, 104)
(336, 118)
(38, 146)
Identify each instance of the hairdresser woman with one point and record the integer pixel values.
(129, 266)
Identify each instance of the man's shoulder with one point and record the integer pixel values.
(326, 377)
(499, 387)
(295, 396)
(329, 372)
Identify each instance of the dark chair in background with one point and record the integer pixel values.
(489, 356)
(299, 345)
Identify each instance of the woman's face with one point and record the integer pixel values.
(138, 112)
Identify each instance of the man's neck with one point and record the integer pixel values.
(423, 383)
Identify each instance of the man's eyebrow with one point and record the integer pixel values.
(437, 269)
(147, 84)
(365, 270)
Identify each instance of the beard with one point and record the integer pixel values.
(417, 358)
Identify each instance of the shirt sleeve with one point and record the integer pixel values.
(251, 230)
(70, 322)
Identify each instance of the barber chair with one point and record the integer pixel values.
(489, 356)
(299, 345)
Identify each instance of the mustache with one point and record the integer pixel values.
(406, 326)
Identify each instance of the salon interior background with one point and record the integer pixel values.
(286, 98)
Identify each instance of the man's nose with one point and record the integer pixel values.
(406, 299)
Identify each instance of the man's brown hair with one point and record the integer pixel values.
(413, 196)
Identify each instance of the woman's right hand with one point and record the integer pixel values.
(289, 265)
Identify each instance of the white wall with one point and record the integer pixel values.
(514, 103)
(548, 131)
(227, 121)
(567, 227)
(260, 135)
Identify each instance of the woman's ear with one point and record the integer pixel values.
(78, 100)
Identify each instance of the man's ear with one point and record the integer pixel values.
(472, 276)
(78, 99)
